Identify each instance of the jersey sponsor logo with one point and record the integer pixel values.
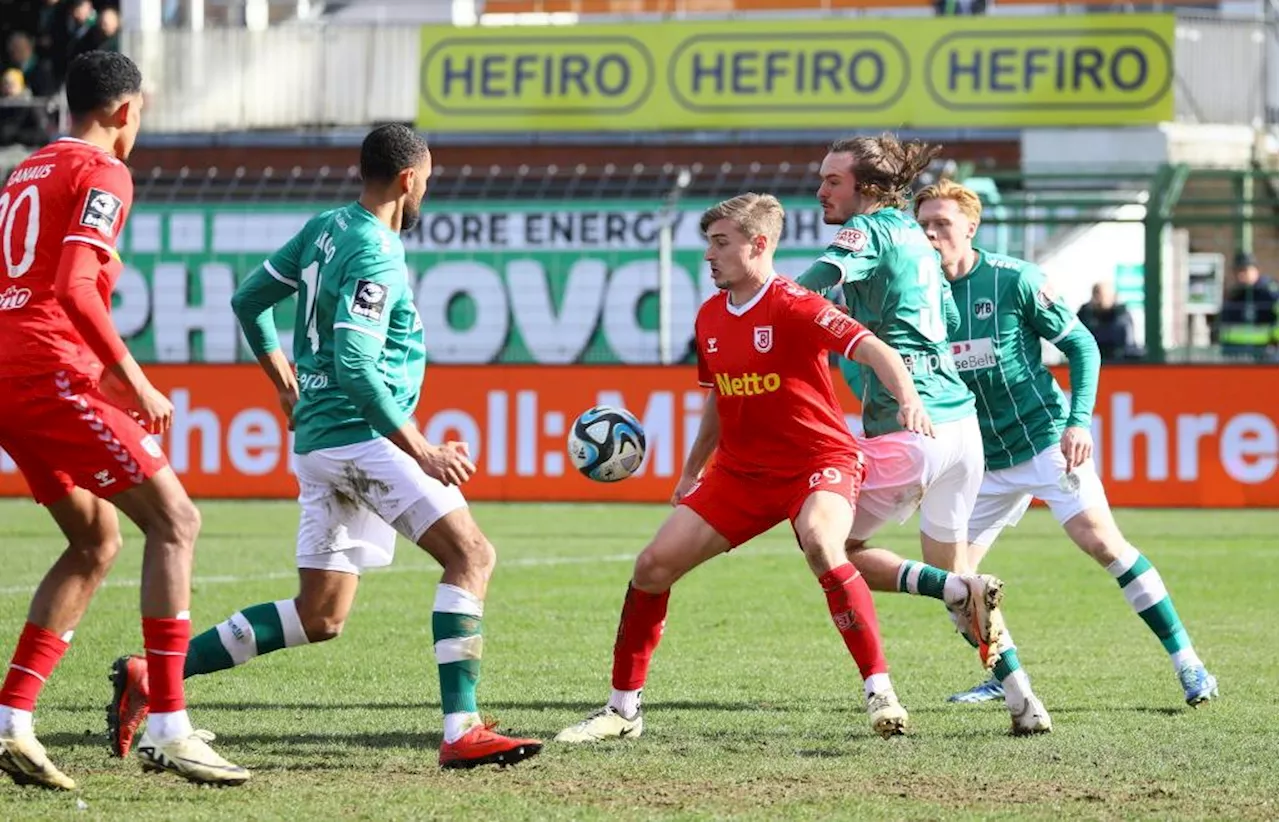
(973, 355)
(101, 208)
(850, 239)
(309, 382)
(983, 309)
(369, 301)
(762, 338)
(747, 385)
(835, 321)
(14, 298)
(922, 365)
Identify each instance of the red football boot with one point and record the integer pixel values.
(128, 708)
(481, 746)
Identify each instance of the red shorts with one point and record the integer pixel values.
(63, 433)
(740, 507)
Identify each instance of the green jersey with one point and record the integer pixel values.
(893, 285)
(1006, 306)
(358, 345)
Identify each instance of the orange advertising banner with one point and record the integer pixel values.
(1167, 436)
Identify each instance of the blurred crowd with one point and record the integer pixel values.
(40, 38)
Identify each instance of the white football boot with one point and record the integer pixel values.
(1031, 718)
(605, 723)
(191, 758)
(978, 616)
(888, 717)
(23, 758)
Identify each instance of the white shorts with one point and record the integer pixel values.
(940, 475)
(354, 500)
(1006, 494)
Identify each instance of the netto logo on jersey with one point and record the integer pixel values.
(747, 385)
(14, 298)
(983, 309)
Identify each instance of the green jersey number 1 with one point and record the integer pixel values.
(929, 278)
(310, 277)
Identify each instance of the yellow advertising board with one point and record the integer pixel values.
(841, 73)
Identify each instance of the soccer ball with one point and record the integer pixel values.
(606, 444)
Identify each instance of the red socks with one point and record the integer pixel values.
(854, 613)
(639, 630)
(166, 643)
(33, 662)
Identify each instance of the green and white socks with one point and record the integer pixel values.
(455, 625)
(254, 631)
(1145, 592)
(926, 580)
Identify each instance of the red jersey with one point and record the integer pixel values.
(767, 362)
(67, 192)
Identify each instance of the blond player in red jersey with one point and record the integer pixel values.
(783, 452)
(77, 416)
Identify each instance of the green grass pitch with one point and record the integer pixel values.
(753, 708)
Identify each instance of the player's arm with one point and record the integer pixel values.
(1050, 318)
(359, 334)
(254, 305)
(828, 328)
(950, 311)
(850, 257)
(704, 444)
(89, 247)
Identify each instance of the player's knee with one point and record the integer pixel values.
(95, 556)
(477, 553)
(653, 575)
(853, 546)
(179, 523)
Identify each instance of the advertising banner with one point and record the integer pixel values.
(1166, 436)
(529, 283)
(841, 73)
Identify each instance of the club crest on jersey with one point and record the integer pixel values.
(983, 309)
(835, 321)
(370, 300)
(101, 208)
(763, 338)
(850, 239)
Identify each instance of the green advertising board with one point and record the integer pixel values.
(504, 282)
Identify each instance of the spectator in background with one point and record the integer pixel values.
(22, 121)
(105, 36)
(1247, 325)
(82, 21)
(1110, 324)
(51, 37)
(37, 74)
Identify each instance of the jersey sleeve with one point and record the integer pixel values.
(1042, 308)
(853, 252)
(285, 264)
(825, 327)
(103, 196)
(705, 378)
(365, 297)
(950, 311)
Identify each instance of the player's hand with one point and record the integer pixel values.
(683, 487)
(450, 463)
(288, 397)
(913, 417)
(148, 406)
(1077, 446)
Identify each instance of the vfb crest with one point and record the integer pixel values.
(983, 309)
(763, 338)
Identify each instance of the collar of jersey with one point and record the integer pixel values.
(978, 263)
(739, 310)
